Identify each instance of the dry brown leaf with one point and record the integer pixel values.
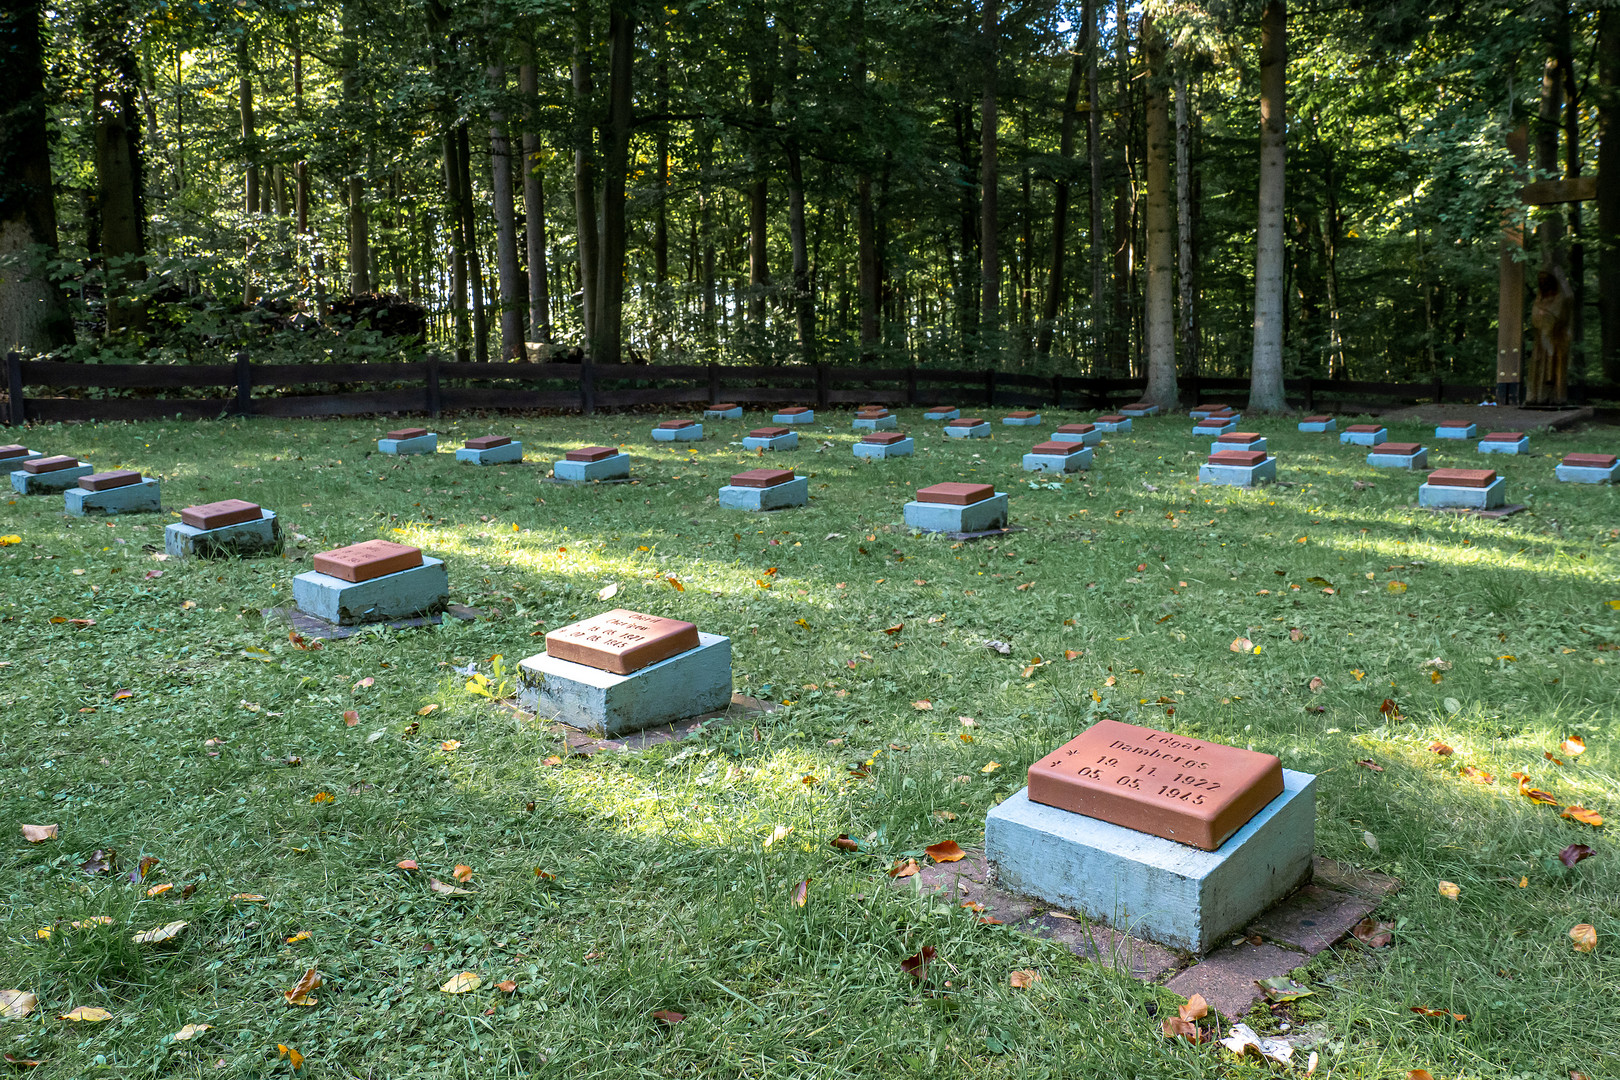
(1073, 654)
(1023, 979)
(1241, 645)
(801, 893)
(904, 869)
(350, 718)
(305, 986)
(249, 897)
(447, 890)
(16, 1004)
(462, 983)
(450, 745)
(1370, 764)
(1373, 934)
(675, 584)
(1574, 854)
(35, 834)
(1450, 890)
(1419, 1074)
(916, 965)
(1577, 812)
(945, 851)
(668, 1016)
(159, 934)
(895, 629)
(922, 706)
(462, 873)
(1177, 1028)
(1316, 684)
(87, 1015)
(1422, 1010)
(407, 864)
(1574, 746)
(1478, 776)
(1536, 795)
(1584, 935)
(506, 986)
(1440, 748)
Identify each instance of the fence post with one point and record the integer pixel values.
(1310, 393)
(433, 386)
(911, 385)
(1439, 390)
(16, 414)
(244, 385)
(587, 388)
(1057, 391)
(714, 384)
(822, 394)
(990, 387)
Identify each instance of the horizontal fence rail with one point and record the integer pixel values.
(434, 386)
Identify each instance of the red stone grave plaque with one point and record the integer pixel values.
(1454, 423)
(106, 481)
(873, 414)
(621, 641)
(761, 478)
(723, 406)
(1322, 419)
(1212, 422)
(217, 515)
(1063, 448)
(1503, 436)
(955, 494)
(1241, 438)
(769, 432)
(1023, 414)
(1188, 790)
(488, 442)
(1211, 407)
(884, 438)
(50, 464)
(1140, 405)
(939, 408)
(1080, 429)
(14, 450)
(792, 410)
(1403, 449)
(1590, 461)
(1468, 478)
(1237, 457)
(1111, 418)
(965, 421)
(590, 453)
(406, 433)
(676, 425)
(371, 559)
(1365, 428)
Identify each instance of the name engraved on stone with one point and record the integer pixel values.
(364, 561)
(621, 641)
(488, 442)
(406, 433)
(1188, 790)
(1468, 478)
(590, 453)
(217, 515)
(953, 494)
(50, 464)
(106, 481)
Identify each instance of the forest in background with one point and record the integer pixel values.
(1050, 186)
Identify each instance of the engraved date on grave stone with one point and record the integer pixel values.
(621, 641)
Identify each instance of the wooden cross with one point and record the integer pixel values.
(1510, 305)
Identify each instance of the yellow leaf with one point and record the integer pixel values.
(675, 584)
(8, 540)
(801, 893)
(305, 986)
(1396, 586)
(158, 890)
(1450, 890)
(302, 935)
(1584, 935)
(16, 1004)
(424, 710)
(1435, 676)
(86, 1014)
(923, 705)
(992, 767)
(1241, 644)
(462, 873)
(450, 744)
(1524, 882)
(462, 983)
(36, 834)
(294, 1058)
(190, 1031)
(249, 898)
(1576, 812)
(1574, 746)
(781, 832)
(321, 797)
(159, 934)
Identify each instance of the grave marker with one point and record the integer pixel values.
(968, 427)
(1112, 422)
(765, 489)
(884, 444)
(1364, 434)
(1475, 489)
(1085, 434)
(1139, 408)
(402, 442)
(374, 581)
(1318, 424)
(875, 419)
(592, 463)
(1588, 469)
(678, 431)
(491, 450)
(40, 475)
(230, 527)
(1058, 456)
(1238, 468)
(956, 507)
(771, 438)
(120, 491)
(723, 410)
(1505, 442)
(795, 414)
(1399, 455)
(1022, 418)
(1455, 429)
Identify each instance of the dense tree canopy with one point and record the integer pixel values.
(1069, 187)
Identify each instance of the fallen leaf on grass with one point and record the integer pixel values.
(462, 983)
(302, 935)
(1536, 795)
(922, 706)
(1024, 979)
(1574, 746)
(1369, 763)
(350, 718)
(1574, 854)
(1241, 645)
(1396, 586)
(36, 834)
(1584, 935)
(1373, 934)
(21, 1063)
(1423, 1010)
(904, 869)
(916, 965)
(450, 745)
(667, 1016)
(305, 986)
(1369, 839)
(190, 1031)
(322, 797)
(294, 1058)
(608, 592)
(1577, 812)
(1282, 988)
(843, 843)
(1316, 684)
(1185, 1023)
(1450, 890)
(945, 851)
(1468, 772)
(159, 934)
(991, 767)
(1419, 1074)
(462, 873)
(424, 710)
(506, 986)
(447, 890)
(1440, 748)
(895, 629)
(781, 832)
(86, 1014)
(1243, 1039)
(100, 862)
(249, 898)
(675, 584)
(407, 864)
(16, 1004)
(801, 893)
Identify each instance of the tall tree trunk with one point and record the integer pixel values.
(300, 168)
(1186, 219)
(586, 234)
(506, 255)
(867, 265)
(1094, 155)
(1572, 170)
(1608, 200)
(1266, 372)
(661, 152)
(804, 301)
(1159, 318)
(1546, 374)
(705, 227)
(359, 229)
(469, 229)
(760, 91)
(534, 209)
(1060, 197)
(34, 315)
(607, 346)
(989, 179)
(1119, 331)
(458, 246)
(250, 150)
(119, 182)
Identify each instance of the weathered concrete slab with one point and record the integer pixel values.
(689, 684)
(1227, 976)
(1312, 918)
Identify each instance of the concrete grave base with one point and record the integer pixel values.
(1075, 462)
(1520, 447)
(794, 418)
(977, 431)
(1586, 474)
(688, 684)
(1419, 460)
(1318, 427)
(321, 630)
(421, 590)
(723, 414)
(142, 498)
(1259, 446)
(981, 516)
(795, 492)
(1364, 438)
(422, 444)
(1149, 887)
(1213, 427)
(886, 423)
(1238, 475)
(27, 483)
(790, 441)
(1484, 498)
(1106, 427)
(1151, 410)
(1022, 421)
(1468, 432)
(507, 454)
(578, 472)
(262, 537)
(690, 433)
(903, 448)
(942, 414)
(1090, 438)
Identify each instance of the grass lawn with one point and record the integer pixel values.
(180, 726)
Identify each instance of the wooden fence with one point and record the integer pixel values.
(433, 386)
